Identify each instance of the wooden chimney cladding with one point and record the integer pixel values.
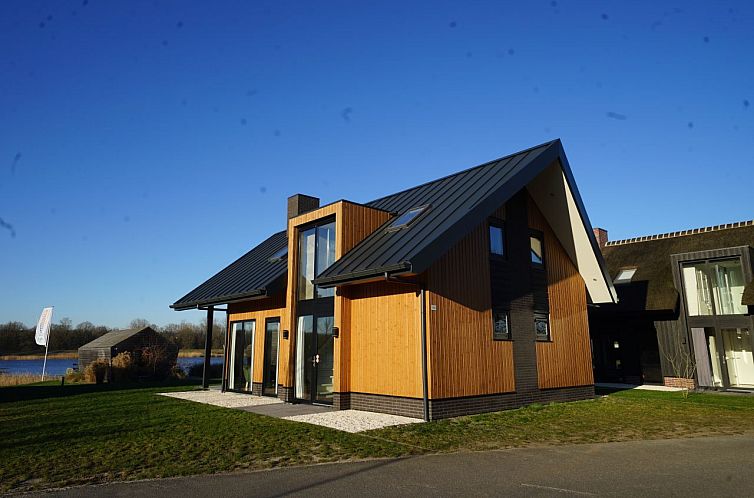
(463, 358)
(567, 359)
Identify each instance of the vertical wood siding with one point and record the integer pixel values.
(356, 222)
(566, 360)
(259, 310)
(463, 358)
(383, 351)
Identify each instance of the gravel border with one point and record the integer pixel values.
(353, 420)
(225, 400)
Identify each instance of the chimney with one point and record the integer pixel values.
(300, 204)
(601, 235)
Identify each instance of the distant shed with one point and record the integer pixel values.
(108, 346)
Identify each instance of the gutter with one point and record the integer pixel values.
(402, 267)
(198, 304)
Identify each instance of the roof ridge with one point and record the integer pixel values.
(524, 151)
(681, 233)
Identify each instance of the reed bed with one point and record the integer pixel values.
(17, 379)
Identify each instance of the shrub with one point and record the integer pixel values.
(74, 376)
(124, 368)
(197, 370)
(97, 371)
(156, 361)
(177, 372)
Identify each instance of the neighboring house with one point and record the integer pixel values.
(462, 295)
(685, 312)
(109, 345)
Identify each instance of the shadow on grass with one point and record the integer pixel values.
(32, 392)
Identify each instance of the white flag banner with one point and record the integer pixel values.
(43, 327)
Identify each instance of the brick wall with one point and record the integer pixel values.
(285, 393)
(256, 388)
(681, 382)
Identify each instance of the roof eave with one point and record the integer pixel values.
(367, 274)
(255, 293)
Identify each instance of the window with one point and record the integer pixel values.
(624, 276)
(316, 254)
(542, 326)
(497, 240)
(500, 325)
(714, 287)
(407, 218)
(537, 249)
(279, 256)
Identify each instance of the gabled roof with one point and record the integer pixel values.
(112, 338)
(652, 287)
(457, 203)
(460, 202)
(251, 275)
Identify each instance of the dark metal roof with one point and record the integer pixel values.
(249, 276)
(112, 338)
(458, 203)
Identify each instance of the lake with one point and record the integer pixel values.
(58, 367)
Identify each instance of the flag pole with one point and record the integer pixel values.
(47, 347)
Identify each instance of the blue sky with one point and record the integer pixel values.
(145, 145)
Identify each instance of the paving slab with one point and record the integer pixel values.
(286, 410)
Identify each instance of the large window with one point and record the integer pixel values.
(316, 254)
(714, 288)
(241, 355)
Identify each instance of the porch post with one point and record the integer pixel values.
(208, 346)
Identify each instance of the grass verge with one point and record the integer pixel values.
(54, 436)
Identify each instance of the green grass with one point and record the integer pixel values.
(54, 436)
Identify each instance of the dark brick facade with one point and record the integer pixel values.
(256, 388)
(285, 393)
(455, 407)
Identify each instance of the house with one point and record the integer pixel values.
(463, 295)
(109, 345)
(684, 316)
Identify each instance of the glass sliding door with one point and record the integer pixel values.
(324, 359)
(738, 356)
(270, 362)
(241, 360)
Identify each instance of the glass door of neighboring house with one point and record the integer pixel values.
(270, 362)
(241, 359)
(737, 345)
(314, 359)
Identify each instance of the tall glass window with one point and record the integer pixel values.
(714, 287)
(241, 355)
(497, 240)
(316, 254)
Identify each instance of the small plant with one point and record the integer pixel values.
(74, 376)
(97, 371)
(177, 372)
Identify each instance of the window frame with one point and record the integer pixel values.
(536, 234)
(538, 316)
(423, 209)
(618, 280)
(507, 313)
(497, 223)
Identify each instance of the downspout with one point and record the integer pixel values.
(425, 393)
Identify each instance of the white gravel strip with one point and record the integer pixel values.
(353, 420)
(226, 400)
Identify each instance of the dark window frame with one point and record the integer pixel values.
(507, 312)
(497, 223)
(538, 316)
(423, 209)
(315, 224)
(536, 234)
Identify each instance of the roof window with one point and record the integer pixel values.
(624, 276)
(407, 218)
(280, 255)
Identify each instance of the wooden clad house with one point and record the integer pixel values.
(686, 311)
(462, 295)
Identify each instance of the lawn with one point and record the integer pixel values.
(54, 436)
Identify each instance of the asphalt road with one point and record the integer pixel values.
(714, 466)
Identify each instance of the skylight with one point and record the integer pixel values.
(279, 256)
(407, 218)
(624, 276)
